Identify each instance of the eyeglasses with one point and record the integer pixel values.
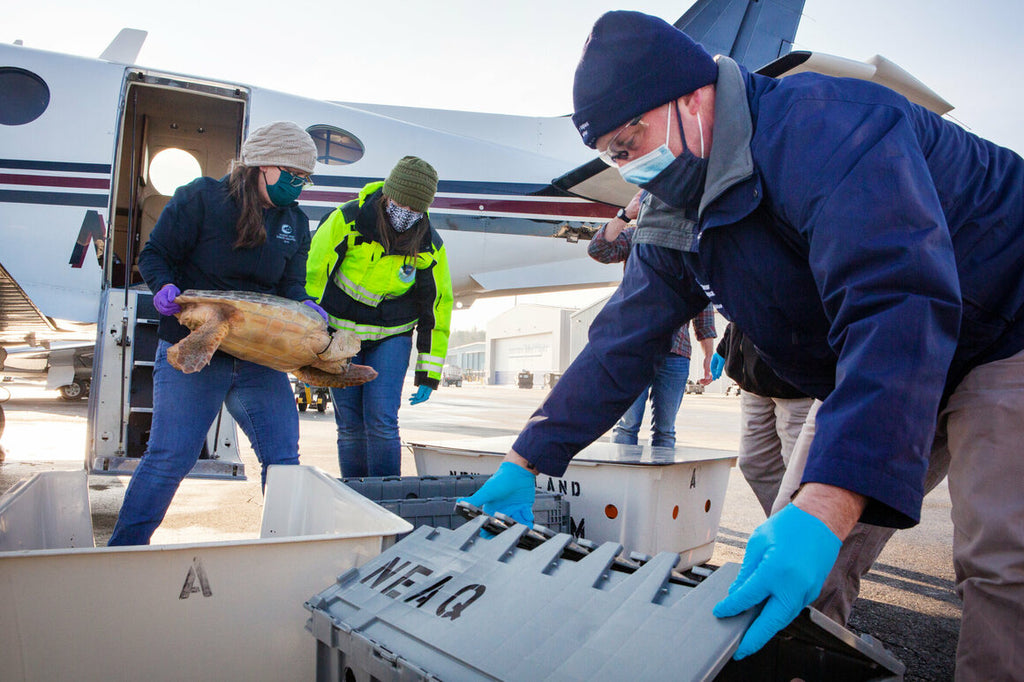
(296, 180)
(619, 150)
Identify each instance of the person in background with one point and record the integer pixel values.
(776, 430)
(772, 412)
(873, 252)
(244, 232)
(380, 269)
(611, 244)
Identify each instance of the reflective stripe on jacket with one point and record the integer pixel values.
(376, 294)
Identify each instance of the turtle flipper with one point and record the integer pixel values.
(353, 375)
(340, 347)
(209, 327)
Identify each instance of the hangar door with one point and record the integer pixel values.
(533, 352)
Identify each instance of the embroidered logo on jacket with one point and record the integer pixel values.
(286, 234)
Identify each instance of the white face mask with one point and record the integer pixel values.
(643, 169)
(401, 218)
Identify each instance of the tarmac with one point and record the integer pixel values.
(907, 602)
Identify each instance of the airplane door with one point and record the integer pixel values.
(199, 125)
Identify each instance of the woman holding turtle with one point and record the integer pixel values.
(244, 232)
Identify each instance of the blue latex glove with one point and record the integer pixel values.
(787, 560)
(320, 311)
(421, 395)
(163, 301)
(510, 491)
(717, 365)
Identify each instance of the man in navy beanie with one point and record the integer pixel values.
(873, 252)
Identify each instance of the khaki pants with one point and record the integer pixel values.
(978, 441)
(983, 428)
(769, 428)
(864, 543)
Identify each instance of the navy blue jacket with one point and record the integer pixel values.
(871, 250)
(191, 247)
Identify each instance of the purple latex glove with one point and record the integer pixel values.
(320, 311)
(164, 300)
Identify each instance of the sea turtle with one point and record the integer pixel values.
(269, 330)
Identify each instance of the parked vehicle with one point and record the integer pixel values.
(451, 374)
(306, 395)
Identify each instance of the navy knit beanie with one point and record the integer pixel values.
(632, 63)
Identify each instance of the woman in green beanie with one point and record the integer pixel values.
(380, 270)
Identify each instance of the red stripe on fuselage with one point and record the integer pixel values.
(54, 181)
(525, 205)
(579, 209)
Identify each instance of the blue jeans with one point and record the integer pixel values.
(184, 406)
(367, 415)
(666, 392)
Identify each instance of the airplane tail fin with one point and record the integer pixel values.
(125, 47)
(752, 32)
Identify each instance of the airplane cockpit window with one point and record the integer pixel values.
(171, 168)
(25, 96)
(334, 146)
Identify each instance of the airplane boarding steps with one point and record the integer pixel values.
(122, 414)
(494, 600)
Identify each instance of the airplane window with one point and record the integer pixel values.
(334, 146)
(25, 98)
(171, 168)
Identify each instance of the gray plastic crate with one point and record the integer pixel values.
(409, 487)
(454, 605)
(430, 500)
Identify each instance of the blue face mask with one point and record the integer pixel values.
(681, 184)
(643, 169)
(676, 180)
(285, 191)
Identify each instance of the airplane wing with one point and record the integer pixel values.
(60, 361)
(752, 32)
(597, 181)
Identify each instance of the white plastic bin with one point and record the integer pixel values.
(49, 510)
(647, 499)
(205, 611)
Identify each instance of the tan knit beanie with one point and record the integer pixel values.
(281, 143)
(412, 183)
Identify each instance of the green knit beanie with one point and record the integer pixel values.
(412, 183)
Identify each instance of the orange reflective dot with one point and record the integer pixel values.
(611, 511)
(707, 506)
(675, 512)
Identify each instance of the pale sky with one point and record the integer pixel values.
(514, 57)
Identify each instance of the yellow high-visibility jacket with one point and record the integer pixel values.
(377, 294)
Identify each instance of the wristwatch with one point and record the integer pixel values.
(621, 215)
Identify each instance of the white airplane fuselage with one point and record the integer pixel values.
(74, 189)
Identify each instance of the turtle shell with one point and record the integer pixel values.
(272, 331)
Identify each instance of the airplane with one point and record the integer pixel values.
(80, 190)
